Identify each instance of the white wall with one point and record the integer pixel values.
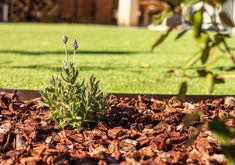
(128, 12)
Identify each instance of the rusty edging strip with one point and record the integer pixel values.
(31, 94)
(23, 94)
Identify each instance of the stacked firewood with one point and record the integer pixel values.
(88, 11)
(18, 9)
(98, 11)
(33, 10)
(44, 10)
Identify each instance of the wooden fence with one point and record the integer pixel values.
(96, 11)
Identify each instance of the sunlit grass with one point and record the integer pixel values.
(119, 57)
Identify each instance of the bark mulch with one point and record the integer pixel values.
(135, 131)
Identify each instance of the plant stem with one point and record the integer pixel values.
(74, 53)
(229, 52)
(66, 52)
(226, 76)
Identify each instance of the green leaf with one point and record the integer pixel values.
(162, 38)
(190, 2)
(204, 39)
(181, 34)
(209, 82)
(191, 118)
(193, 137)
(205, 54)
(225, 19)
(197, 19)
(158, 18)
(220, 131)
(183, 91)
(229, 152)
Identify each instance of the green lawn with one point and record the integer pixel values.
(119, 57)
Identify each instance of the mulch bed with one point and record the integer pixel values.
(135, 131)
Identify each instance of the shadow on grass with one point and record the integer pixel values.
(82, 68)
(85, 52)
(5, 62)
(218, 68)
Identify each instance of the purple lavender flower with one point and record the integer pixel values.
(75, 44)
(65, 39)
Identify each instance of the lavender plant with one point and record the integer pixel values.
(72, 102)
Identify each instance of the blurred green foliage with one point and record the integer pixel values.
(210, 44)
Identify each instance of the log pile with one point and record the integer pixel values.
(89, 11)
(18, 10)
(44, 10)
(33, 10)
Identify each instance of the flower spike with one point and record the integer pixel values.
(75, 47)
(65, 40)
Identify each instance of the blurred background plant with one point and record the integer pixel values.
(211, 43)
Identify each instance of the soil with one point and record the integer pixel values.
(134, 131)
